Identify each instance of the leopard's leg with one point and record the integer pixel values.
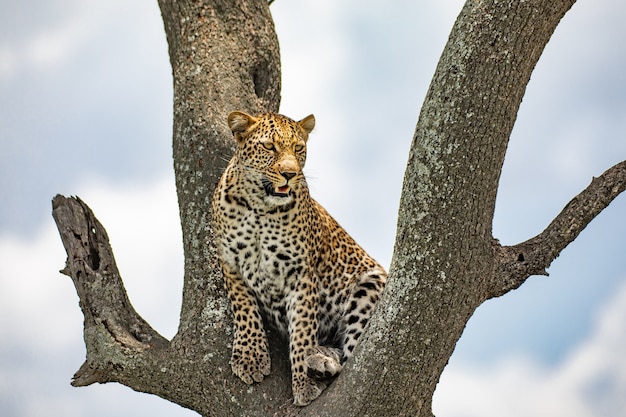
(302, 318)
(359, 307)
(250, 358)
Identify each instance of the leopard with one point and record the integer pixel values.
(285, 260)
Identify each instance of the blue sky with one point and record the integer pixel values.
(85, 109)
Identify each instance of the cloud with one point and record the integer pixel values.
(51, 36)
(142, 221)
(41, 322)
(54, 41)
(55, 47)
(143, 226)
(8, 64)
(591, 381)
(31, 285)
(90, 95)
(363, 69)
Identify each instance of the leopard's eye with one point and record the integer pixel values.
(299, 147)
(269, 146)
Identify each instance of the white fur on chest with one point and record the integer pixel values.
(270, 255)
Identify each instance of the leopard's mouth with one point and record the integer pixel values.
(272, 190)
(282, 191)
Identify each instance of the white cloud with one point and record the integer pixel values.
(143, 226)
(315, 54)
(72, 30)
(362, 67)
(54, 47)
(591, 381)
(50, 45)
(40, 320)
(8, 62)
(31, 287)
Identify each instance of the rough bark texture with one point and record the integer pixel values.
(445, 259)
(224, 56)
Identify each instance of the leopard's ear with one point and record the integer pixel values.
(308, 123)
(239, 122)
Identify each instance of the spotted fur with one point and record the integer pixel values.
(284, 256)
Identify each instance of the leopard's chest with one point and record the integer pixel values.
(270, 251)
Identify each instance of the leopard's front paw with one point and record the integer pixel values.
(250, 360)
(324, 363)
(306, 390)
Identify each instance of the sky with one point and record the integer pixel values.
(86, 109)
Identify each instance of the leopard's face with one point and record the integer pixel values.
(272, 152)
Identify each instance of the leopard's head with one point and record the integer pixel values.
(272, 150)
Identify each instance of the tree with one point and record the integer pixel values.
(224, 56)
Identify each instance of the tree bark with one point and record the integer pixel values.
(224, 56)
(444, 258)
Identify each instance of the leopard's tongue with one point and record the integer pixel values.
(283, 189)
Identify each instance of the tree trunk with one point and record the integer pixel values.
(224, 56)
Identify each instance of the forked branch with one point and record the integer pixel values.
(535, 255)
(111, 322)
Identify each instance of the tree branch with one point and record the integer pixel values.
(443, 262)
(535, 255)
(110, 319)
(224, 56)
(122, 347)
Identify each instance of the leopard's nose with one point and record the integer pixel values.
(288, 174)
